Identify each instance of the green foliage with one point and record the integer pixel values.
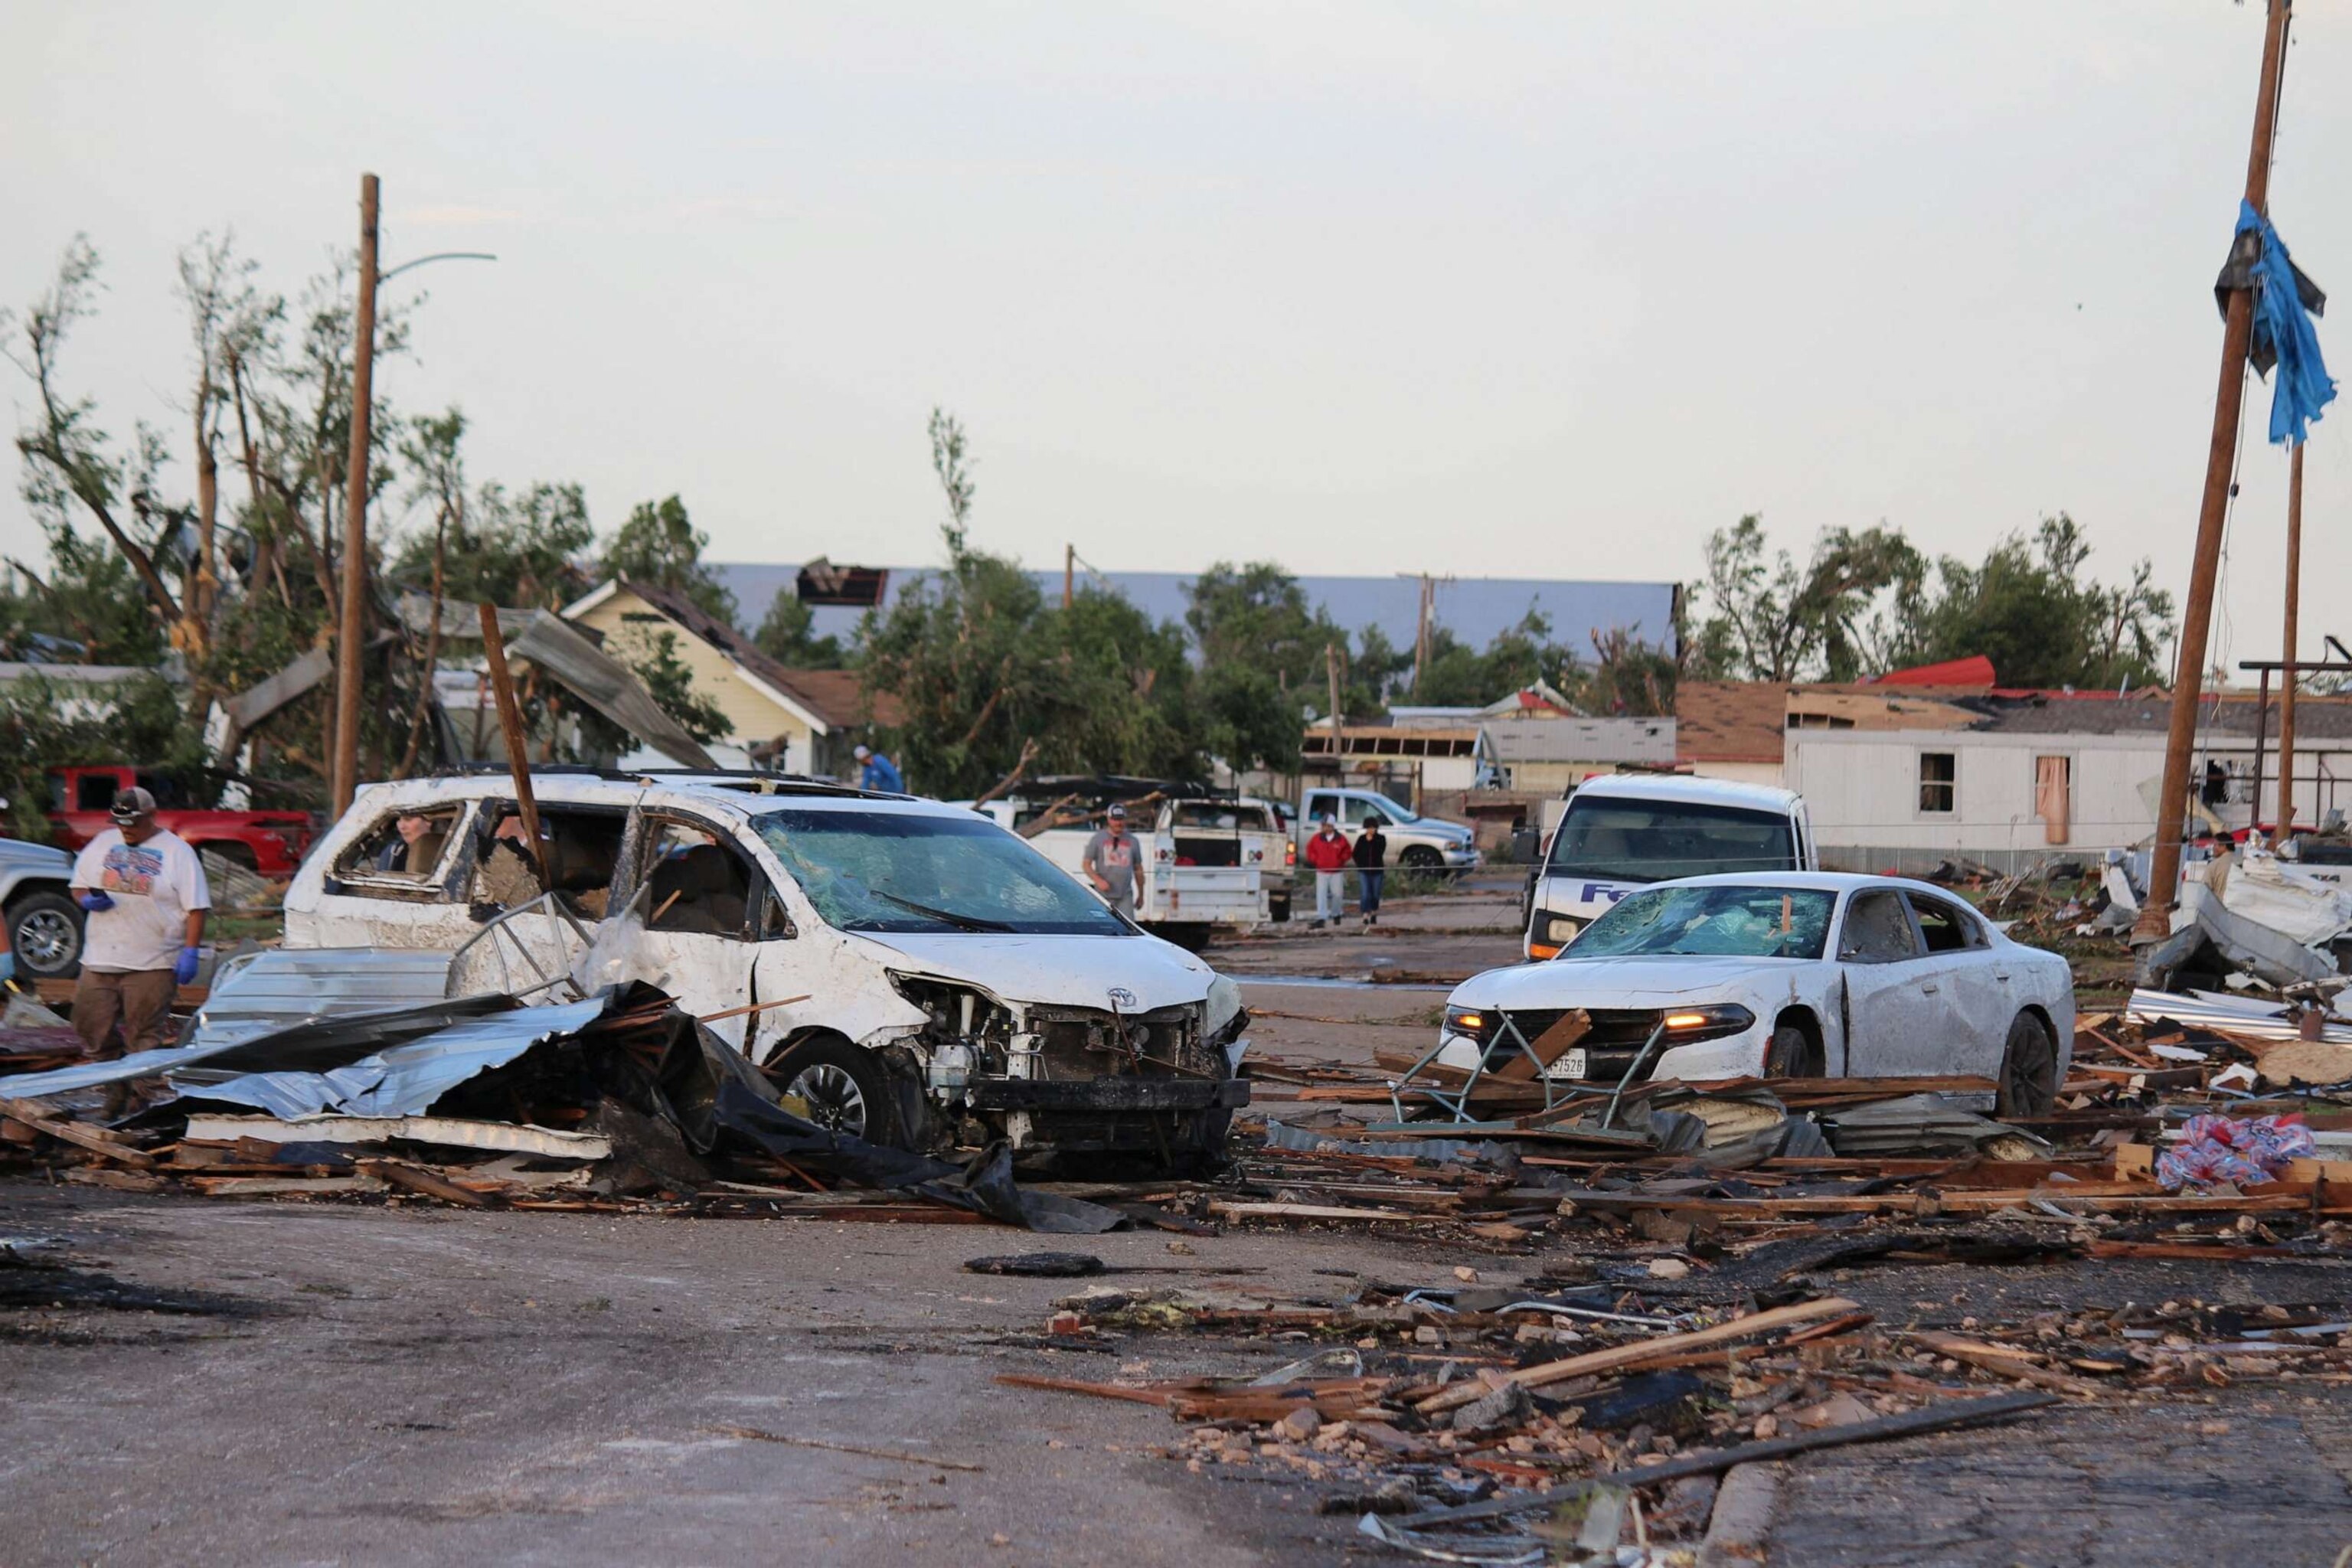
(47, 724)
(90, 597)
(1772, 619)
(787, 635)
(517, 550)
(660, 544)
(1870, 602)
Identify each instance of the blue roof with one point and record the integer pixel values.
(1474, 608)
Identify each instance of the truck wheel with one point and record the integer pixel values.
(2029, 1069)
(1422, 857)
(45, 931)
(1190, 935)
(845, 1088)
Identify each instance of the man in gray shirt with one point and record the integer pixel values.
(1114, 863)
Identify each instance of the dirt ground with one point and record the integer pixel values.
(414, 1384)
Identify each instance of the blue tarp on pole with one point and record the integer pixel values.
(2283, 330)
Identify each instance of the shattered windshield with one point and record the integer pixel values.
(898, 871)
(1660, 840)
(1718, 921)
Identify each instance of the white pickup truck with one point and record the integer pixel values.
(1214, 861)
(1626, 830)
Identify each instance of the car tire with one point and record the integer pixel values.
(845, 1089)
(1421, 857)
(1791, 1053)
(2029, 1069)
(45, 932)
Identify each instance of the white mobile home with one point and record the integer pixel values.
(2033, 777)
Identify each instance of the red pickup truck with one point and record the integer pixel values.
(269, 842)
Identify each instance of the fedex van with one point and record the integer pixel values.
(1626, 830)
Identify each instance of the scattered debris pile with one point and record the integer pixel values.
(617, 1100)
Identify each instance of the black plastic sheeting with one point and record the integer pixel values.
(985, 1186)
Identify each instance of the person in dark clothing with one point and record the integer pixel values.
(1371, 859)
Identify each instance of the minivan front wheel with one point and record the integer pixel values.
(841, 1085)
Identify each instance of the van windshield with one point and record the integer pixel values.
(1632, 840)
(903, 871)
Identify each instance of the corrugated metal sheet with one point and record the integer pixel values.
(282, 986)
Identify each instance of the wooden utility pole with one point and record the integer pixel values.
(2196, 615)
(494, 644)
(350, 638)
(2286, 825)
(1421, 634)
(1331, 670)
(1069, 575)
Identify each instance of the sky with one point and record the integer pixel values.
(1490, 290)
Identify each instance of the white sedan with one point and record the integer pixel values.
(1790, 974)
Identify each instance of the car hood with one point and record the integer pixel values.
(1060, 971)
(1625, 982)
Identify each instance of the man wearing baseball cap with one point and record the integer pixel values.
(146, 897)
(1113, 862)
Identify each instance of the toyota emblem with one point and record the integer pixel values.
(1120, 996)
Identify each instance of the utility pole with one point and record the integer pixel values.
(1421, 634)
(350, 638)
(1331, 670)
(2286, 691)
(2196, 615)
(494, 647)
(1069, 575)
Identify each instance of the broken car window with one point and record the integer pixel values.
(1947, 929)
(1739, 923)
(893, 871)
(696, 884)
(1878, 930)
(405, 847)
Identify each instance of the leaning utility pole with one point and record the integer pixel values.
(2196, 615)
(2284, 826)
(350, 638)
(1069, 575)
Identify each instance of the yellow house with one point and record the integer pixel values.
(806, 721)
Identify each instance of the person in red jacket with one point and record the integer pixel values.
(1329, 853)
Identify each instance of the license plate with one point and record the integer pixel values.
(1570, 1064)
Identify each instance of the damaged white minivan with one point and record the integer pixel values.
(916, 973)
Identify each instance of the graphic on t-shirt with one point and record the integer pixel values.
(131, 868)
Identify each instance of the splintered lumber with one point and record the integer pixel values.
(1310, 1211)
(1641, 1352)
(1159, 1396)
(1910, 1424)
(2003, 1361)
(1545, 1048)
(899, 1455)
(281, 1187)
(426, 1183)
(95, 1139)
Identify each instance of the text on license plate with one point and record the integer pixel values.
(1570, 1064)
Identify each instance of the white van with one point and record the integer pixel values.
(1624, 830)
(916, 973)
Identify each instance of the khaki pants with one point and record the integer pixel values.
(140, 1001)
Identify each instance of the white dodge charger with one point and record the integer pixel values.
(1791, 974)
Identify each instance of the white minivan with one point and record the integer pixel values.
(1623, 831)
(915, 973)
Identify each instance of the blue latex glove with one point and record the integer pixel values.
(7, 967)
(94, 902)
(184, 969)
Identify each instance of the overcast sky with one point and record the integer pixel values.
(1544, 290)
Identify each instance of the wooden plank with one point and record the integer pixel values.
(96, 1139)
(2002, 1360)
(281, 1187)
(427, 1183)
(1310, 1211)
(1159, 1396)
(1619, 1358)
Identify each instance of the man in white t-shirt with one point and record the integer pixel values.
(146, 897)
